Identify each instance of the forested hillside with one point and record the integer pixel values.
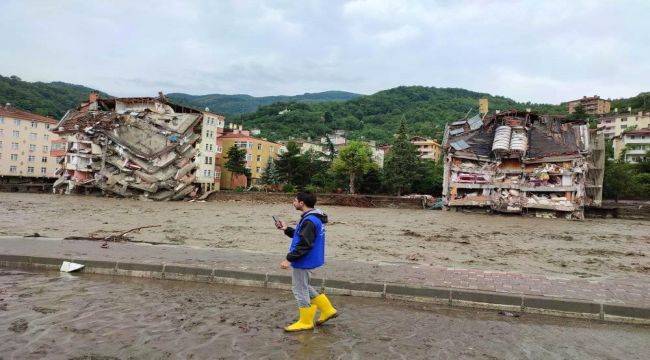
(242, 104)
(50, 99)
(376, 117)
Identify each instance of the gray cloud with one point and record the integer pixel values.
(546, 51)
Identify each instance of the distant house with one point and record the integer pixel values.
(428, 148)
(617, 123)
(636, 144)
(26, 144)
(592, 105)
(259, 152)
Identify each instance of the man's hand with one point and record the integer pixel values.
(285, 264)
(281, 225)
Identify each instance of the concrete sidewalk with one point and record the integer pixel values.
(604, 299)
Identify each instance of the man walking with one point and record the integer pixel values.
(307, 252)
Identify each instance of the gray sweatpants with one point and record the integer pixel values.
(301, 288)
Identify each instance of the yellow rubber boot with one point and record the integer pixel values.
(305, 321)
(327, 311)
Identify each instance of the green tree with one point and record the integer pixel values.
(401, 166)
(354, 160)
(271, 175)
(236, 162)
(291, 165)
(579, 114)
(618, 181)
(429, 179)
(371, 182)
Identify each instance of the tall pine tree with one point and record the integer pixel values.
(402, 164)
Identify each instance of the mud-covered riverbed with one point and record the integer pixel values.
(591, 248)
(63, 316)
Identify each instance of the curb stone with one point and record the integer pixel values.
(451, 296)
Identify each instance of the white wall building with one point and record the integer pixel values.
(615, 124)
(207, 149)
(635, 144)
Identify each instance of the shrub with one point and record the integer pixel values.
(288, 188)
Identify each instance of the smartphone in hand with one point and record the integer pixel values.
(277, 222)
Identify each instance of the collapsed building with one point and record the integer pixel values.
(143, 147)
(521, 162)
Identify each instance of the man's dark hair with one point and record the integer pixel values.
(308, 198)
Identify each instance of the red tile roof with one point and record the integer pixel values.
(15, 113)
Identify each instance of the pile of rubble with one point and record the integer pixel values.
(522, 162)
(130, 147)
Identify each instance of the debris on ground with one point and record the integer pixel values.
(68, 266)
(19, 326)
(508, 314)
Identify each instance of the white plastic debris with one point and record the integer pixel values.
(68, 266)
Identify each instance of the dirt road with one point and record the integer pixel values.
(63, 316)
(591, 248)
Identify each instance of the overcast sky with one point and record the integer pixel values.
(539, 51)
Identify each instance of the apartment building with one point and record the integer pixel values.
(616, 124)
(636, 144)
(143, 147)
(592, 105)
(259, 152)
(26, 144)
(428, 148)
(207, 174)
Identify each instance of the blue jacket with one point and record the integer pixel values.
(307, 249)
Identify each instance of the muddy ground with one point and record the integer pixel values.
(591, 248)
(64, 316)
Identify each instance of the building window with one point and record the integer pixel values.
(34, 124)
(47, 126)
(12, 169)
(32, 147)
(14, 146)
(16, 133)
(2, 120)
(208, 160)
(43, 171)
(249, 157)
(257, 169)
(2, 132)
(219, 149)
(44, 159)
(31, 158)
(1, 143)
(207, 147)
(17, 122)
(623, 126)
(259, 158)
(32, 136)
(14, 157)
(46, 137)
(259, 146)
(46, 148)
(30, 169)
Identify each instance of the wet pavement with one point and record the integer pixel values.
(63, 316)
